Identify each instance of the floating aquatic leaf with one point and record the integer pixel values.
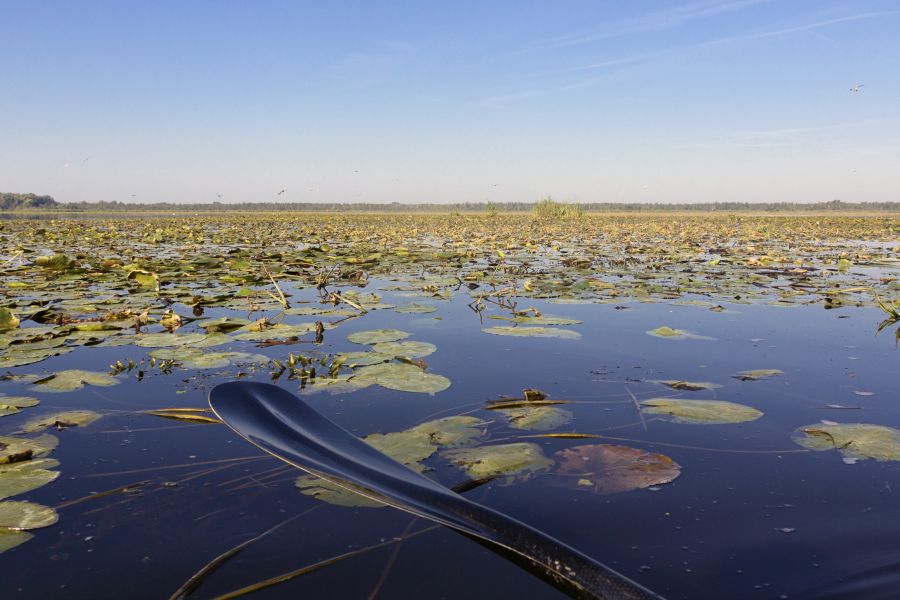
(192, 358)
(692, 386)
(401, 377)
(757, 374)
(540, 320)
(7, 319)
(223, 324)
(677, 334)
(17, 357)
(144, 279)
(251, 333)
(16, 449)
(517, 460)
(700, 411)
(323, 490)
(409, 349)
(418, 443)
(71, 418)
(416, 308)
(73, 379)
(335, 385)
(542, 332)
(18, 515)
(174, 340)
(18, 478)
(10, 539)
(320, 310)
(610, 469)
(377, 336)
(183, 415)
(536, 418)
(857, 441)
(362, 359)
(10, 405)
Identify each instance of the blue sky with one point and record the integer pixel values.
(587, 101)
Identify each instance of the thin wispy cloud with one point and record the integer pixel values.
(669, 53)
(650, 22)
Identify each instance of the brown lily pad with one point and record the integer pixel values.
(610, 468)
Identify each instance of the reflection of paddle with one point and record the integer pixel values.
(287, 428)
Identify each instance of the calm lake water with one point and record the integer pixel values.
(753, 514)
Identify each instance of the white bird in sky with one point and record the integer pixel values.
(855, 88)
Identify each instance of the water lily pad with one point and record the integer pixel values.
(10, 539)
(536, 418)
(19, 357)
(610, 469)
(192, 358)
(700, 411)
(377, 336)
(252, 333)
(854, 440)
(223, 324)
(414, 445)
(416, 308)
(19, 516)
(691, 386)
(8, 320)
(320, 310)
(676, 334)
(73, 379)
(401, 377)
(542, 332)
(10, 405)
(323, 490)
(18, 478)
(757, 374)
(362, 359)
(408, 349)
(174, 340)
(17, 449)
(61, 420)
(517, 460)
(544, 320)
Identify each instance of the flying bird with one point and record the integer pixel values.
(855, 88)
(280, 193)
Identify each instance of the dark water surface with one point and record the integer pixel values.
(752, 515)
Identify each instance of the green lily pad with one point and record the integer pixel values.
(541, 320)
(192, 358)
(691, 386)
(320, 310)
(10, 539)
(708, 412)
(676, 334)
(855, 441)
(17, 449)
(362, 359)
(408, 349)
(71, 418)
(414, 445)
(323, 490)
(174, 340)
(341, 384)
(610, 469)
(401, 377)
(10, 405)
(541, 332)
(19, 516)
(757, 374)
(8, 320)
(73, 379)
(223, 324)
(144, 279)
(251, 333)
(515, 461)
(416, 308)
(536, 418)
(18, 357)
(18, 478)
(377, 336)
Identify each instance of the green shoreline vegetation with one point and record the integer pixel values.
(547, 207)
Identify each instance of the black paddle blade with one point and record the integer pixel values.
(283, 425)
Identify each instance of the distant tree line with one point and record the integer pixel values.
(9, 201)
